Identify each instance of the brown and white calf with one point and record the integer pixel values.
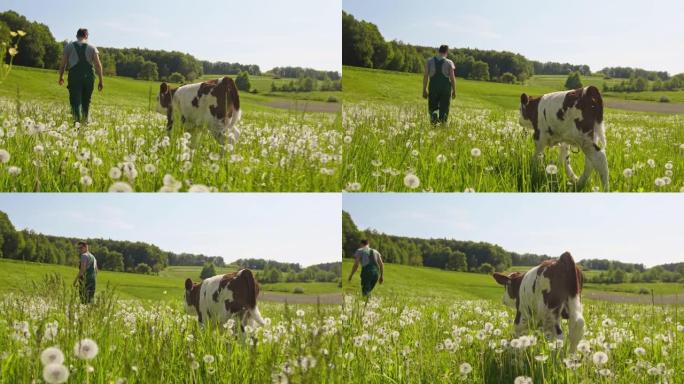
(222, 297)
(213, 103)
(569, 117)
(544, 294)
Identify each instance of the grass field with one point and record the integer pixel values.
(168, 286)
(131, 341)
(426, 325)
(127, 147)
(390, 145)
(263, 86)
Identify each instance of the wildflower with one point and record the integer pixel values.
(651, 163)
(149, 168)
(86, 349)
(86, 180)
(659, 182)
(465, 369)
(469, 190)
(4, 156)
(12, 51)
(90, 368)
(21, 33)
(120, 186)
(475, 152)
(14, 170)
(353, 187)
(115, 173)
(300, 312)
(411, 181)
(55, 373)
(441, 158)
(628, 173)
(541, 358)
(522, 380)
(194, 365)
(605, 372)
(551, 169)
(600, 358)
(52, 355)
(208, 359)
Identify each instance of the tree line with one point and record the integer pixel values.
(111, 255)
(270, 271)
(364, 46)
(40, 49)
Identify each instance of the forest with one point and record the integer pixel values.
(364, 46)
(40, 49)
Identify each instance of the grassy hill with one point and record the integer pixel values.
(368, 85)
(404, 280)
(41, 84)
(19, 277)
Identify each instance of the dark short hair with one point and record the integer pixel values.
(82, 32)
(82, 243)
(364, 242)
(443, 48)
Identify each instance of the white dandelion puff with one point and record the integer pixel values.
(120, 186)
(52, 355)
(411, 181)
(86, 349)
(599, 358)
(475, 152)
(55, 374)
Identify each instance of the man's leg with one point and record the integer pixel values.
(369, 277)
(444, 102)
(433, 105)
(75, 92)
(88, 87)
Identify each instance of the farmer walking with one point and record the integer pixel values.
(87, 273)
(81, 56)
(439, 71)
(372, 267)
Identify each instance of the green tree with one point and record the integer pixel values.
(573, 81)
(143, 269)
(176, 78)
(456, 261)
(351, 237)
(242, 81)
(208, 271)
(508, 78)
(480, 71)
(486, 268)
(148, 71)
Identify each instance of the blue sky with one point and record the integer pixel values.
(269, 33)
(633, 33)
(643, 228)
(296, 227)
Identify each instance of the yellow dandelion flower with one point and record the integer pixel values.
(21, 33)
(13, 34)
(13, 51)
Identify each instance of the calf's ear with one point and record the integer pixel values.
(163, 88)
(524, 99)
(501, 278)
(188, 284)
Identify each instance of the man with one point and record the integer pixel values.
(81, 56)
(372, 267)
(440, 72)
(87, 273)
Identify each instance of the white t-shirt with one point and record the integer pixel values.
(447, 66)
(364, 255)
(72, 55)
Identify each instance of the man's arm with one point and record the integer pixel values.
(354, 268)
(425, 80)
(98, 70)
(62, 67)
(452, 79)
(382, 268)
(81, 271)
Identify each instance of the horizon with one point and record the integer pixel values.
(633, 34)
(284, 219)
(528, 227)
(278, 34)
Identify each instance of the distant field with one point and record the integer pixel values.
(169, 285)
(263, 85)
(432, 282)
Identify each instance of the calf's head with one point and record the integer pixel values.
(192, 296)
(528, 111)
(511, 285)
(164, 97)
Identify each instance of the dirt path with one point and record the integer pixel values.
(327, 298)
(305, 105)
(645, 106)
(633, 298)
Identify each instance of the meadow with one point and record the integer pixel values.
(285, 145)
(425, 325)
(390, 145)
(17, 278)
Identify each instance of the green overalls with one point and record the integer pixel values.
(81, 83)
(87, 284)
(439, 93)
(369, 273)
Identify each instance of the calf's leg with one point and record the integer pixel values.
(575, 322)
